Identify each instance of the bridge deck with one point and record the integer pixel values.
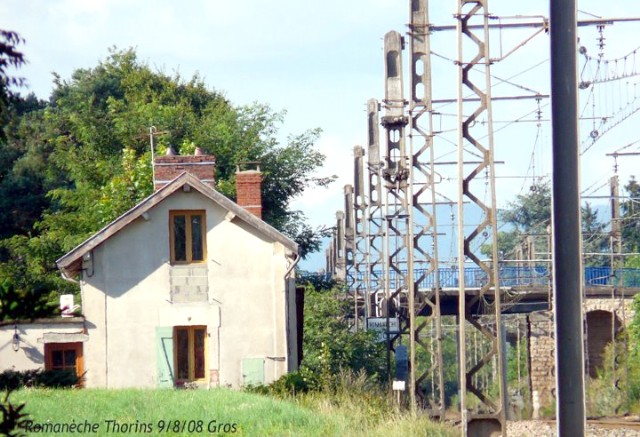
(522, 289)
(511, 276)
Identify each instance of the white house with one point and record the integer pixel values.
(185, 287)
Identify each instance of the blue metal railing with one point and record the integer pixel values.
(474, 277)
(510, 276)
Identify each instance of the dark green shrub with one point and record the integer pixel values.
(57, 379)
(12, 380)
(287, 385)
(330, 345)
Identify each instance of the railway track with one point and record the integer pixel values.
(605, 426)
(616, 423)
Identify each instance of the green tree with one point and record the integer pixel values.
(531, 211)
(25, 175)
(634, 351)
(10, 57)
(20, 194)
(595, 238)
(12, 303)
(108, 109)
(329, 344)
(530, 215)
(630, 215)
(76, 162)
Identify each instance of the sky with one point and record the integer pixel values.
(322, 61)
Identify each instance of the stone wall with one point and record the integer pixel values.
(543, 357)
(542, 341)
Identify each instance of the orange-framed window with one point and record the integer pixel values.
(187, 233)
(190, 352)
(64, 356)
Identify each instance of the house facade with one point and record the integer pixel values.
(187, 287)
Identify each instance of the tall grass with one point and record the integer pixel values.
(147, 412)
(237, 413)
(614, 391)
(366, 410)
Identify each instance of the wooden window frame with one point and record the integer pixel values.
(188, 235)
(50, 348)
(191, 353)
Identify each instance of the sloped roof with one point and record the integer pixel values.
(71, 263)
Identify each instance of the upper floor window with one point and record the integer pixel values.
(187, 233)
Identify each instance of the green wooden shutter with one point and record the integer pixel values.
(164, 356)
(253, 371)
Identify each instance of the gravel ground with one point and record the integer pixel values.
(533, 428)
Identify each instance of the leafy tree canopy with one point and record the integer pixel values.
(530, 216)
(530, 212)
(330, 345)
(630, 211)
(10, 56)
(75, 163)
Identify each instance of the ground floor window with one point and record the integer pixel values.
(63, 356)
(190, 352)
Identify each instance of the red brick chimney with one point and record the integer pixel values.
(170, 166)
(248, 190)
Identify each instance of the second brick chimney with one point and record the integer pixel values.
(248, 190)
(170, 166)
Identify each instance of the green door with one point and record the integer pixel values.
(164, 356)
(252, 371)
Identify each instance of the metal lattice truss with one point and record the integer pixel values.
(338, 249)
(477, 139)
(375, 219)
(426, 333)
(395, 173)
(349, 249)
(619, 365)
(361, 243)
(386, 248)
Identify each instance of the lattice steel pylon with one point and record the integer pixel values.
(338, 242)
(477, 138)
(361, 239)
(619, 365)
(349, 250)
(329, 255)
(424, 223)
(375, 220)
(398, 211)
